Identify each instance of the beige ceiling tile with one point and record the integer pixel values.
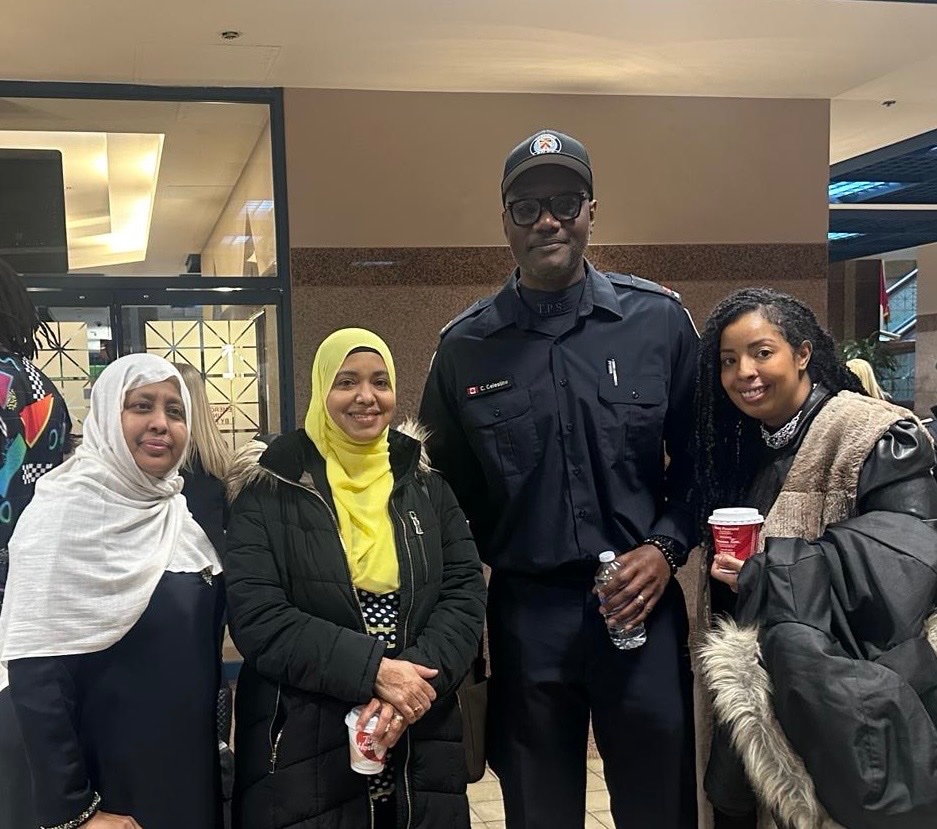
(203, 64)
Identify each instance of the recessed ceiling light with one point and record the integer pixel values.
(230, 34)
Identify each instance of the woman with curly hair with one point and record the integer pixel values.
(819, 667)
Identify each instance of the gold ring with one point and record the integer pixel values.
(642, 600)
(398, 717)
(418, 709)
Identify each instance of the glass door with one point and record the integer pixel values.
(82, 343)
(235, 347)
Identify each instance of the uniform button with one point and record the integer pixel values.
(564, 381)
(497, 412)
(569, 427)
(582, 513)
(635, 395)
(577, 471)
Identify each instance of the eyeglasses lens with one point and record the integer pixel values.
(563, 206)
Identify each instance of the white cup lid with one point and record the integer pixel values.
(736, 515)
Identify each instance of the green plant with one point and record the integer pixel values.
(873, 351)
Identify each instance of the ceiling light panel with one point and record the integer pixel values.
(110, 188)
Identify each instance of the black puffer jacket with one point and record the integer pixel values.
(295, 617)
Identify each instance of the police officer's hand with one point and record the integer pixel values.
(636, 588)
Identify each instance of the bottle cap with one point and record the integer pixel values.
(607, 556)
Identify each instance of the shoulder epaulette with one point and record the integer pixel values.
(642, 284)
(471, 311)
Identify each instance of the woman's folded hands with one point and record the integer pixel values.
(405, 686)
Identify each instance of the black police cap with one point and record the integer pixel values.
(547, 147)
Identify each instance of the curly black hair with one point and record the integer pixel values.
(727, 441)
(20, 323)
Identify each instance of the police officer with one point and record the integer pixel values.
(551, 405)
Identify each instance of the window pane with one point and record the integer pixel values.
(137, 188)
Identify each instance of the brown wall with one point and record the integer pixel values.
(410, 169)
(394, 204)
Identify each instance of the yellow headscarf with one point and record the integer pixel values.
(359, 474)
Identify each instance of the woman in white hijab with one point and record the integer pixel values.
(110, 627)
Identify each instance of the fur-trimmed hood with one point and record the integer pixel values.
(247, 468)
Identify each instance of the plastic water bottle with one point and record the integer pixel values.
(624, 640)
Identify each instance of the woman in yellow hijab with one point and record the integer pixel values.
(350, 432)
(352, 581)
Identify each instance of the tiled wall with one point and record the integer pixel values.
(407, 294)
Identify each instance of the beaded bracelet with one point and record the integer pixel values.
(83, 818)
(668, 549)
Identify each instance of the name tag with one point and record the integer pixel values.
(487, 388)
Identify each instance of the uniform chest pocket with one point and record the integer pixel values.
(503, 432)
(632, 415)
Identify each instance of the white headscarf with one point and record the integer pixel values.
(91, 546)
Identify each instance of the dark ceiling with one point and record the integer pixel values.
(902, 174)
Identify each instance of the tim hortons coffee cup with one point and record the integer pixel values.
(735, 531)
(366, 757)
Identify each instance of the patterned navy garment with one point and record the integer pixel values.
(380, 614)
(34, 428)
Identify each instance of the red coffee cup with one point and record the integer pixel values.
(735, 531)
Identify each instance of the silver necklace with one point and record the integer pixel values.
(782, 437)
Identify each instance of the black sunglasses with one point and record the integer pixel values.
(564, 207)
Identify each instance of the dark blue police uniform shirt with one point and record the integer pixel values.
(555, 445)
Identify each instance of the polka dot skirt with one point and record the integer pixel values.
(380, 615)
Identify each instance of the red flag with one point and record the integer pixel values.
(884, 313)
